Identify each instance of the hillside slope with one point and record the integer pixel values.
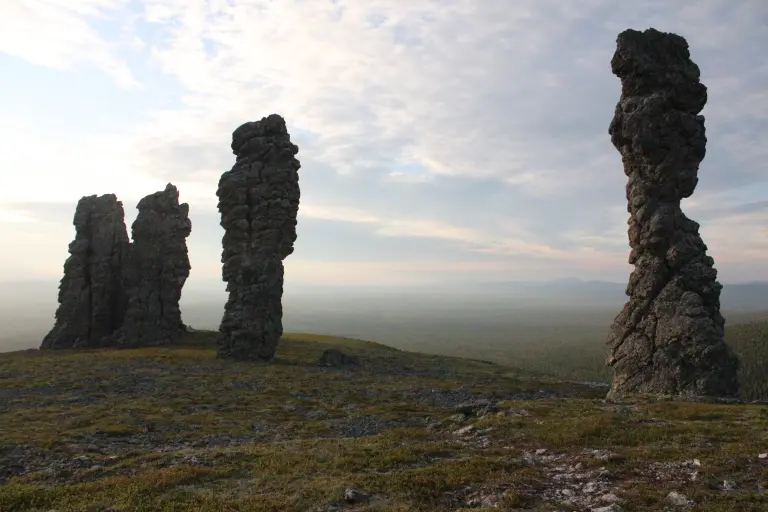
(174, 429)
(580, 354)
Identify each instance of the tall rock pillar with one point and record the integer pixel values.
(91, 295)
(156, 270)
(259, 203)
(668, 339)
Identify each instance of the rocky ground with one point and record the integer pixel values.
(176, 429)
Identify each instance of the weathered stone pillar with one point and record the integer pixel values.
(668, 339)
(259, 202)
(155, 271)
(91, 295)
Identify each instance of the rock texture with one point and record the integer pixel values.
(155, 271)
(669, 337)
(91, 294)
(258, 202)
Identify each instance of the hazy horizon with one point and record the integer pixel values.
(442, 317)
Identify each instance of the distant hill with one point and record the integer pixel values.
(735, 296)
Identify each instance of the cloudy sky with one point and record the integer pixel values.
(440, 140)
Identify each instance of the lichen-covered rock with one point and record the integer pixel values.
(91, 294)
(669, 337)
(259, 203)
(155, 271)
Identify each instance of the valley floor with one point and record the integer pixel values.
(174, 429)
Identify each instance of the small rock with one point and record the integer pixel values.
(335, 357)
(356, 496)
(590, 487)
(53, 470)
(83, 461)
(609, 498)
(763, 456)
(76, 448)
(434, 425)
(541, 451)
(478, 407)
(483, 499)
(568, 492)
(191, 458)
(470, 406)
(464, 430)
(729, 485)
(610, 508)
(678, 499)
(604, 473)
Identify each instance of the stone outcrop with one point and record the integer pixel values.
(91, 295)
(258, 202)
(668, 339)
(155, 271)
(335, 358)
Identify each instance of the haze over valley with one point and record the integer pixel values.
(480, 319)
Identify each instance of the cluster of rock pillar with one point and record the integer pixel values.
(668, 339)
(120, 293)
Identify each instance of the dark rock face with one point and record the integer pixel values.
(669, 337)
(334, 357)
(156, 269)
(91, 295)
(258, 202)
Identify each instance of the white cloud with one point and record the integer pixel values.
(336, 213)
(506, 239)
(58, 33)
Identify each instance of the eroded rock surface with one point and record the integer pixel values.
(156, 270)
(669, 337)
(91, 294)
(258, 202)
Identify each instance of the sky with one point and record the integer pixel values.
(439, 140)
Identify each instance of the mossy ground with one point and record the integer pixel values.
(174, 429)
